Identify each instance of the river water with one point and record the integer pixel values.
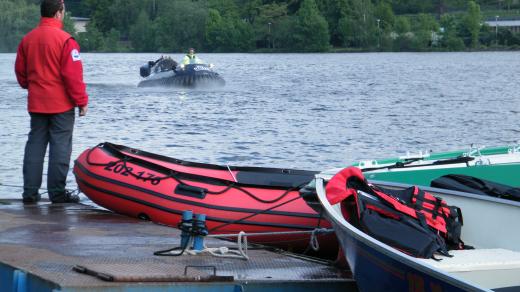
(308, 111)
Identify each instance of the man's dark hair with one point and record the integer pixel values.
(48, 8)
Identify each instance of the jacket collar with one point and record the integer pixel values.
(48, 21)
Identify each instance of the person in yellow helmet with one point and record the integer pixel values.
(191, 58)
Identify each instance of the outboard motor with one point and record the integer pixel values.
(145, 70)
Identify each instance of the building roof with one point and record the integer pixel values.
(504, 23)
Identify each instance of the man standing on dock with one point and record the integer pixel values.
(48, 65)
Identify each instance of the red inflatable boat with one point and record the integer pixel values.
(251, 199)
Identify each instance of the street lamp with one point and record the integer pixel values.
(496, 30)
(378, 33)
(269, 43)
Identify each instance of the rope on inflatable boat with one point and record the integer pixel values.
(313, 243)
(172, 174)
(254, 214)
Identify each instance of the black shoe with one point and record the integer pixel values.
(67, 197)
(31, 200)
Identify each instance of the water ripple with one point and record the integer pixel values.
(288, 110)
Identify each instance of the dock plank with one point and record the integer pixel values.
(47, 240)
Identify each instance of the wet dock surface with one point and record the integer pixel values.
(47, 240)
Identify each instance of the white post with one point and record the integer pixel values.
(496, 30)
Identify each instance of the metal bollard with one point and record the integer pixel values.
(185, 226)
(199, 224)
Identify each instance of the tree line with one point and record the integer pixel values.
(268, 25)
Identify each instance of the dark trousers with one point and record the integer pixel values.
(54, 130)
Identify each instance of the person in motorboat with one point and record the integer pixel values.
(191, 72)
(191, 58)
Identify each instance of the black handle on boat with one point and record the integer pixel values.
(191, 191)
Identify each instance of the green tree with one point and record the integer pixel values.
(425, 27)
(283, 33)
(402, 25)
(16, 19)
(358, 27)
(68, 25)
(333, 11)
(412, 6)
(124, 14)
(181, 25)
(269, 24)
(101, 17)
(92, 40)
(226, 8)
(249, 9)
(385, 14)
(143, 33)
(219, 31)
(225, 31)
(450, 39)
(311, 33)
(472, 21)
(112, 40)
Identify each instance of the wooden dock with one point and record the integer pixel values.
(40, 244)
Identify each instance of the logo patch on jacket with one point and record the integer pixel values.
(75, 55)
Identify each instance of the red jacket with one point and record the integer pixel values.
(48, 64)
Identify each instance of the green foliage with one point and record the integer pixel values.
(333, 11)
(358, 27)
(112, 41)
(102, 19)
(450, 33)
(181, 25)
(385, 14)
(472, 21)
(226, 8)
(283, 33)
(402, 25)
(425, 29)
(68, 25)
(270, 25)
(16, 19)
(92, 40)
(226, 34)
(77, 8)
(142, 34)
(311, 33)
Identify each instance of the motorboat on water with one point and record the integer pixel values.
(166, 72)
(158, 188)
(489, 225)
(487, 170)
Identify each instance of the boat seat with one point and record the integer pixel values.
(488, 268)
(477, 259)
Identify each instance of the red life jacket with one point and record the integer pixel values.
(430, 211)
